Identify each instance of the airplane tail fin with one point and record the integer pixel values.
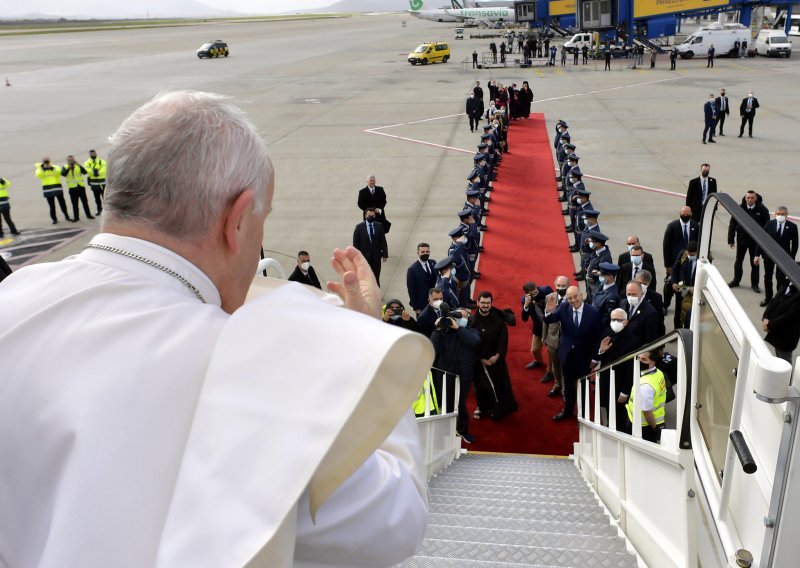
(415, 5)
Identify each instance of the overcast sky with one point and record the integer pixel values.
(266, 6)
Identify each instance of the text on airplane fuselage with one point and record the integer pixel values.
(481, 13)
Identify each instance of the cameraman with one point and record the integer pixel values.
(455, 346)
(394, 313)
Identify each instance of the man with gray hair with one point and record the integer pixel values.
(167, 431)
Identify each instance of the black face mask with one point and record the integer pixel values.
(370, 219)
(686, 218)
(704, 174)
(424, 257)
(562, 292)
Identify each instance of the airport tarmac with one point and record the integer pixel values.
(321, 90)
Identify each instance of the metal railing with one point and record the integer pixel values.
(440, 443)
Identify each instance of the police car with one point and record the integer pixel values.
(216, 48)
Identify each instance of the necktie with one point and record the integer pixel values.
(705, 190)
(685, 236)
(369, 231)
(577, 321)
(780, 230)
(749, 105)
(427, 268)
(722, 103)
(635, 272)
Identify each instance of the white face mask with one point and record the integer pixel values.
(633, 300)
(437, 304)
(462, 322)
(395, 318)
(304, 266)
(644, 288)
(616, 326)
(462, 239)
(636, 260)
(630, 247)
(780, 218)
(601, 279)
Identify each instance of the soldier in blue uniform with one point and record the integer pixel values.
(473, 203)
(600, 253)
(469, 228)
(590, 225)
(563, 171)
(561, 151)
(606, 298)
(446, 282)
(578, 200)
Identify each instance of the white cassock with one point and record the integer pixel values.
(140, 427)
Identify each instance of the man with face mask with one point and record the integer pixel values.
(600, 253)
(370, 239)
(551, 332)
(784, 232)
(625, 257)
(738, 238)
(474, 110)
(682, 281)
(446, 281)
(426, 320)
(632, 269)
(677, 236)
(747, 110)
(642, 317)
(618, 340)
(710, 116)
(395, 313)
(304, 272)
(606, 297)
(652, 390)
(699, 189)
(581, 326)
(455, 344)
(653, 298)
(420, 278)
(723, 110)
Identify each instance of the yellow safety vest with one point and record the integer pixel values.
(98, 164)
(655, 378)
(74, 177)
(419, 404)
(51, 180)
(4, 185)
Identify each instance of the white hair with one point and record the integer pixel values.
(179, 160)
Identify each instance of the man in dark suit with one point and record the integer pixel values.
(421, 277)
(580, 338)
(625, 257)
(676, 238)
(631, 270)
(369, 238)
(652, 297)
(780, 322)
(682, 281)
(784, 232)
(723, 110)
(699, 189)
(426, 322)
(374, 196)
(643, 320)
(753, 206)
(304, 272)
(710, 115)
(747, 110)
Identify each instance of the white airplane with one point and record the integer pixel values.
(458, 13)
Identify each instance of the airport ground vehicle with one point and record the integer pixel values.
(430, 52)
(773, 43)
(723, 38)
(459, 33)
(578, 41)
(216, 48)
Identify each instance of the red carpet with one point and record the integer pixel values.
(525, 242)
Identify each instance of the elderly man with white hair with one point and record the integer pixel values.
(152, 418)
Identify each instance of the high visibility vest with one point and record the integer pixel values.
(51, 180)
(658, 382)
(4, 185)
(74, 176)
(419, 405)
(98, 164)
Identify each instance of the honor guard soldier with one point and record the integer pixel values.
(96, 176)
(52, 188)
(600, 253)
(606, 298)
(470, 230)
(5, 207)
(575, 185)
(473, 202)
(446, 281)
(73, 172)
(569, 165)
(562, 172)
(462, 273)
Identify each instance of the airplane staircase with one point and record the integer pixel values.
(517, 511)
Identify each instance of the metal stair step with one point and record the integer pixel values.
(556, 526)
(587, 504)
(435, 562)
(526, 538)
(577, 494)
(488, 475)
(531, 484)
(560, 513)
(548, 556)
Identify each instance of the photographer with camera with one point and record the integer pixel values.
(96, 174)
(73, 172)
(395, 313)
(52, 188)
(455, 346)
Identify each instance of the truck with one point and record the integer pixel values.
(723, 38)
(773, 43)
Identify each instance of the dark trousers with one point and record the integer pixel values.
(570, 394)
(709, 130)
(769, 268)
(474, 62)
(376, 269)
(672, 64)
(585, 58)
(77, 194)
(741, 249)
(6, 213)
(62, 203)
(720, 122)
(99, 192)
(607, 66)
(575, 58)
(667, 292)
(710, 62)
(748, 119)
(474, 123)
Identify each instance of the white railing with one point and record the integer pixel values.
(437, 432)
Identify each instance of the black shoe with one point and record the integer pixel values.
(480, 248)
(712, 141)
(55, 221)
(533, 364)
(665, 311)
(733, 284)
(756, 289)
(574, 249)
(562, 199)
(739, 136)
(74, 219)
(764, 302)
(466, 437)
(99, 212)
(16, 232)
(89, 216)
(579, 273)
(553, 392)
(560, 416)
(547, 378)
(569, 228)
(483, 228)
(721, 134)
(749, 135)
(704, 141)
(580, 278)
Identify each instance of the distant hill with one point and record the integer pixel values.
(366, 6)
(108, 9)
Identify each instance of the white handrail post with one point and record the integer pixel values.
(636, 431)
(612, 400)
(597, 416)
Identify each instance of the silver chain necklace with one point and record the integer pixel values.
(152, 263)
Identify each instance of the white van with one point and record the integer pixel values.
(723, 38)
(773, 42)
(578, 41)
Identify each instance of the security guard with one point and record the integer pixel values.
(96, 174)
(653, 390)
(52, 188)
(5, 207)
(74, 172)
